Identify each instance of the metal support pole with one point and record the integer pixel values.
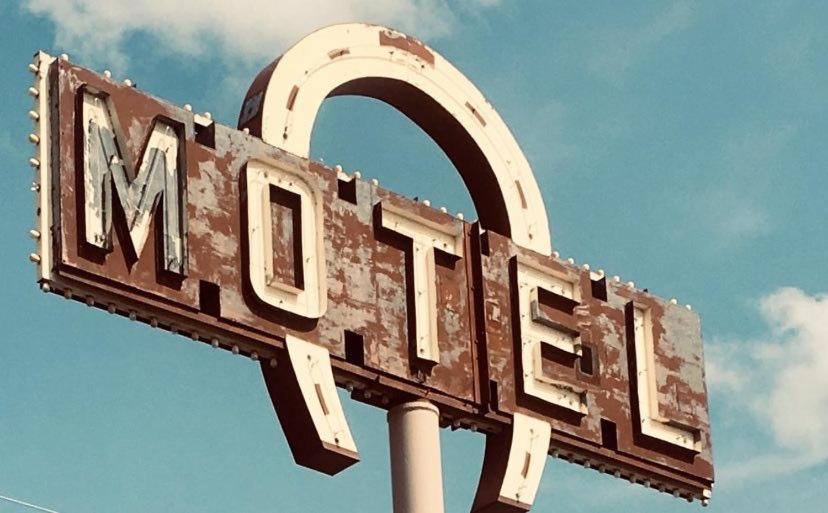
(416, 467)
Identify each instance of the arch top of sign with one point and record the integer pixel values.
(282, 104)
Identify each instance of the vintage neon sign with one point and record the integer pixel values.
(234, 238)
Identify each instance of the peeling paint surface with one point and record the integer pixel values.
(368, 323)
(602, 325)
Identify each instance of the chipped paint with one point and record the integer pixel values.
(476, 376)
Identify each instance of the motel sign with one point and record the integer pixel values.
(234, 238)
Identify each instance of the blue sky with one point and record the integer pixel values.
(681, 145)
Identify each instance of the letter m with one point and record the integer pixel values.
(158, 182)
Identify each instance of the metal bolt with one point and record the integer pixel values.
(235, 349)
(556, 254)
(374, 182)
(34, 234)
(34, 162)
(35, 187)
(195, 336)
(34, 139)
(45, 287)
(254, 356)
(426, 203)
(246, 130)
(34, 257)
(571, 261)
(64, 57)
(673, 301)
(214, 343)
(357, 175)
(33, 68)
(154, 322)
(128, 82)
(705, 503)
(90, 301)
(460, 216)
(111, 308)
(188, 107)
(208, 115)
(107, 73)
(34, 115)
(444, 210)
(688, 307)
(132, 315)
(631, 284)
(273, 363)
(33, 92)
(338, 168)
(586, 267)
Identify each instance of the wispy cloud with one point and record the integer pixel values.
(243, 29)
(732, 207)
(781, 382)
(619, 50)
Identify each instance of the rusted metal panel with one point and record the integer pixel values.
(603, 327)
(367, 279)
(136, 116)
(368, 324)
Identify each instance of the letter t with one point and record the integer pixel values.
(426, 236)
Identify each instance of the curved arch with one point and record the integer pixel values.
(367, 60)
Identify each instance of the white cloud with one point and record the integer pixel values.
(781, 381)
(242, 29)
(619, 50)
(799, 401)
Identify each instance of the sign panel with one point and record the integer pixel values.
(152, 212)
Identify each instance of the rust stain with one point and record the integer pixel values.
(292, 97)
(408, 44)
(520, 193)
(333, 54)
(476, 114)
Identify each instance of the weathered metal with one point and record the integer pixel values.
(412, 303)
